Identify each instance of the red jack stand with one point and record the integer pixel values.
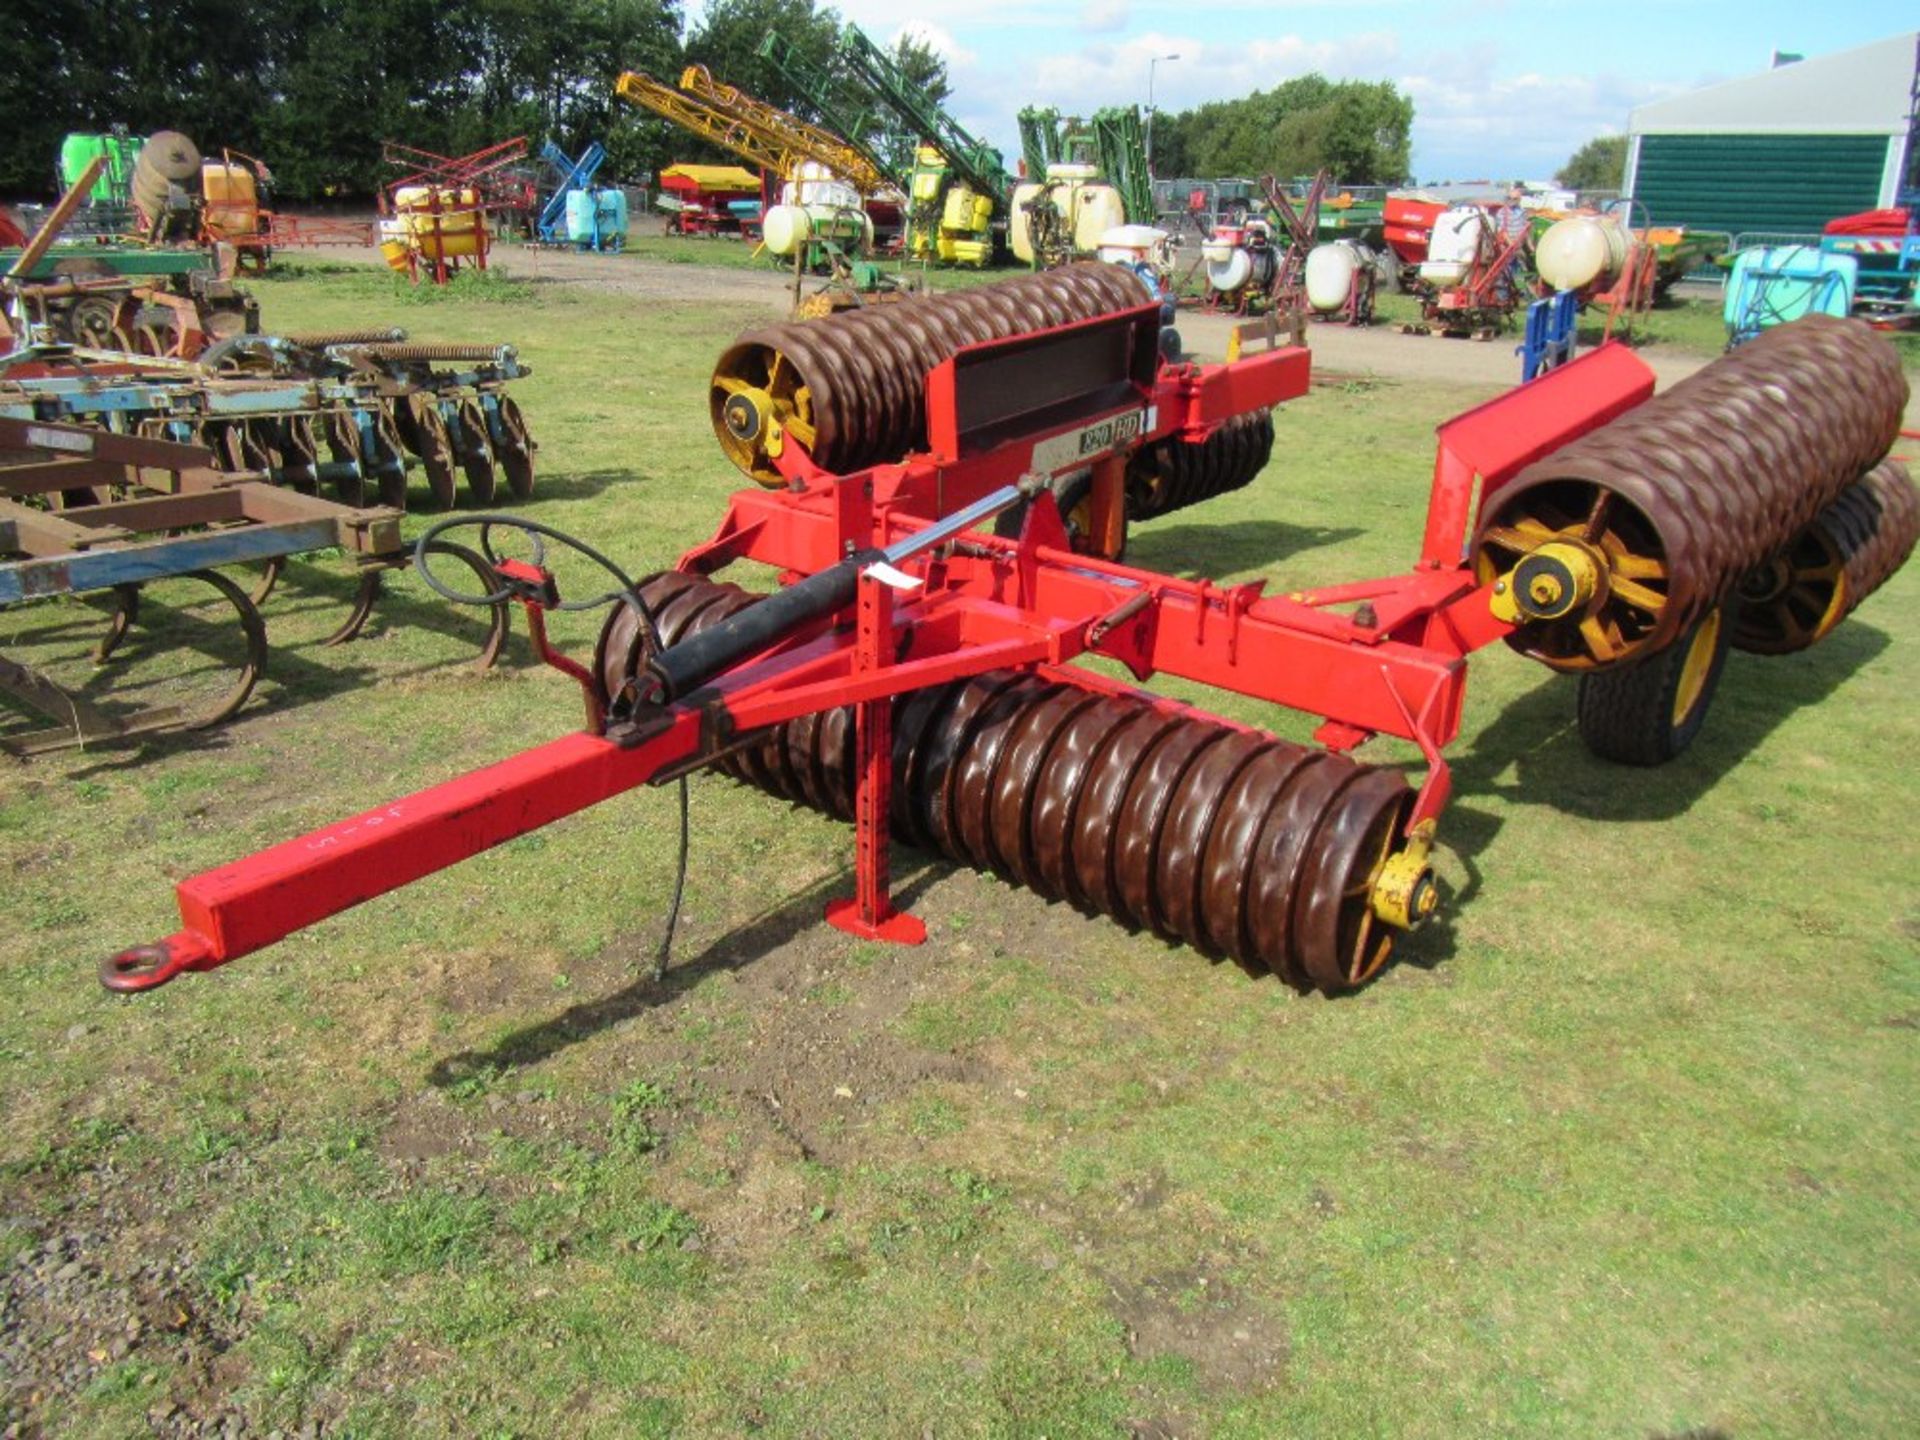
(869, 912)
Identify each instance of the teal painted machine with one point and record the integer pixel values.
(597, 220)
(576, 213)
(1772, 284)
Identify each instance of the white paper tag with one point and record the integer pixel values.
(887, 575)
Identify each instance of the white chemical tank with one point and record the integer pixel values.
(1461, 236)
(814, 184)
(1331, 268)
(1230, 272)
(785, 228)
(1581, 251)
(1133, 245)
(1019, 223)
(1330, 272)
(1096, 210)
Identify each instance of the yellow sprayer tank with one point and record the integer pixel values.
(930, 171)
(232, 202)
(966, 211)
(395, 244)
(442, 222)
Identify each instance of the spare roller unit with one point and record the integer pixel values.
(918, 673)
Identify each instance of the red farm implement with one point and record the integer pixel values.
(919, 673)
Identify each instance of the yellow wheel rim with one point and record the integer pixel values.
(1695, 669)
(1079, 519)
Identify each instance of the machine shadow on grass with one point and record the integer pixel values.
(1247, 545)
(735, 950)
(1465, 830)
(1537, 735)
(560, 485)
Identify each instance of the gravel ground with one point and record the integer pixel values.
(1379, 350)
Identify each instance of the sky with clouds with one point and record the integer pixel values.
(1500, 87)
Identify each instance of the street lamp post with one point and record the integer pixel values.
(1150, 64)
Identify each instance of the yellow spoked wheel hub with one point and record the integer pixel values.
(754, 406)
(1583, 571)
(1698, 665)
(1552, 582)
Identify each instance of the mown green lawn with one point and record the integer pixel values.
(1621, 1148)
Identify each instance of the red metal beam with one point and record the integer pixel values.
(251, 903)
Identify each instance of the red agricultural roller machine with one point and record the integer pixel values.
(918, 672)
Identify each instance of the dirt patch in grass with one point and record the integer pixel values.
(1192, 1314)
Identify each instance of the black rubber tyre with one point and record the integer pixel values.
(1635, 715)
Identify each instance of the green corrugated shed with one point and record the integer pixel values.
(1767, 183)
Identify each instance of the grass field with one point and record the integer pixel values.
(1624, 1147)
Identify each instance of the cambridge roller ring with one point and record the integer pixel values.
(1628, 539)
(1279, 856)
(851, 387)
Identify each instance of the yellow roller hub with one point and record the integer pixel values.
(1581, 573)
(1404, 892)
(1556, 579)
(1695, 669)
(754, 407)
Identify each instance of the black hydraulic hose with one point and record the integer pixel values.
(698, 658)
(628, 594)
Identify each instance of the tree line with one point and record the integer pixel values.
(1358, 129)
(314, 87)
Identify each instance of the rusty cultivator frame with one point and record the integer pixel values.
(138, 510)
(918, 673)
(349, 408)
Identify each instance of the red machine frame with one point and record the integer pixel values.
(1493, 288)
(489, 172)
(1383, 656)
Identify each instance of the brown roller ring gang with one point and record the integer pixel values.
(1674, 503)
(851, 387)
(1851, 549)
(1236, 843)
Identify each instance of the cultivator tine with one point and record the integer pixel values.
(498, 620)
(359, 612)
(255, 664)
(79, 722)
(499, 616)
(271, 569)
(126, 611)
